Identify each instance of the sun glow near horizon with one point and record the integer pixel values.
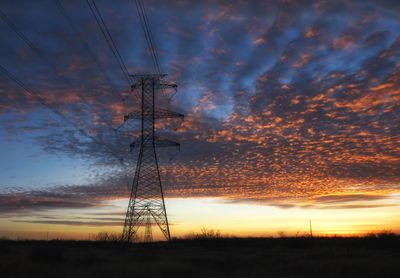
(291, 116)
(191, 215)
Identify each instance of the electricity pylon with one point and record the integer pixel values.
(148, 234)
(147, 196)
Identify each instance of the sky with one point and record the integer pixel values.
(292, 114)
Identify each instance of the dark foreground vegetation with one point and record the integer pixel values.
(373, 256)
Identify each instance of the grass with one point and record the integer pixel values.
(373, 256)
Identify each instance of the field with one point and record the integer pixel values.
(225, 257)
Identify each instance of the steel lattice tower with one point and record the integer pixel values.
(148, 234)
(147, 196)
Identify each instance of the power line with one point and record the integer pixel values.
(43, 102)
(31, 45)
(37, 51)
(111, 43)
(153, 42)
(107, 36)
(145, 23)
(148, 34)
(85, 45)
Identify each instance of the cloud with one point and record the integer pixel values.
(282, 99)
(355, 206)
(73, 223)
(18, 203)
(348, 198)
(63, 197)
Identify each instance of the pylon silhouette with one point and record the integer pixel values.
(148, 233)
(147, 197)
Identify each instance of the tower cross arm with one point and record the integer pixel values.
(165, 143)
(158, 143)
(159, 113)
(164, 114)
(136, 114)
(167, 85)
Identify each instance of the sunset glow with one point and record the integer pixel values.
(292, 115)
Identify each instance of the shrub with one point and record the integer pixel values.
(106, 236)
(208, 234)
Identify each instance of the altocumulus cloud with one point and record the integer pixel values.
(284, 100)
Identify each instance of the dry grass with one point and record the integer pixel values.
(373, 256)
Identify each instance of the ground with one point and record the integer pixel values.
(225, 257)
